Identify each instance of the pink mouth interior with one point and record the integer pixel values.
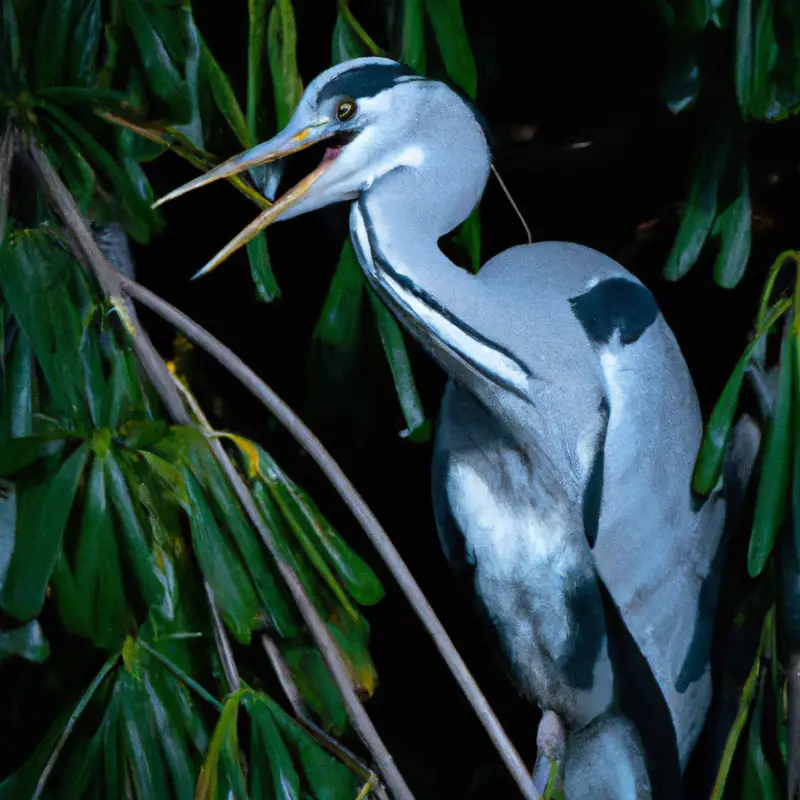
(331, 153)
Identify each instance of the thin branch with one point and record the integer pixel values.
(113, 285)
(79, 709)
(223, 645)
(191, 330)
(284, 676)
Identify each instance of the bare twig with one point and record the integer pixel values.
(191, 330)
(114, 285)
(223, 645)
(284, 676)
(73, 719)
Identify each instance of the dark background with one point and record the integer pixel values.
(566, 73)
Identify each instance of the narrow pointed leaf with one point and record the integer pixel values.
(38, 540)
(137, 546)
(267, 288)
(220, 565)
(224, 96)
(51, 43)
(26, 642)
(162, 73)
(84, 44)
(453, 42)
(773, 487)
(314, 681)
(268, 745)
(18, 453)
(765, 54)
(209, 774)
(193, 129)
(257, 28)
(743, 58)
(700, 207)
(19, 400)
(282, 42)
(418, 428)
(413, 35)
(733, 226)
(345, 45)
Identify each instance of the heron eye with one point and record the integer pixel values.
(346, 110)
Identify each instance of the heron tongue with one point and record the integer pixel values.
(331, 153)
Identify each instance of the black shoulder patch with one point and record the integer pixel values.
(586, 638)
(593, 491)
(364, 81)
(615, 304)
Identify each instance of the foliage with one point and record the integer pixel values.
(139, 515)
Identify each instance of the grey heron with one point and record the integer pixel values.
(567, 433)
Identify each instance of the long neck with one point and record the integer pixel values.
(395, 236)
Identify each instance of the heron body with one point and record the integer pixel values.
(567, 434)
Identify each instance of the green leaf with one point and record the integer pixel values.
(765, 55)
(337, 334)
(317, 687)
(412, 49)
(451, 36)
(221, 567)
(345, 45)
(12, 67)
(268, 745)
(8, 526)
(87, 98)
(136, 542)
(76, 170)
(248, 545)
(357, 577)
(27, 642)
(51, 43)
(759, 778)
(6, 158)
(267, 288)
(19, 400)
(743, 57)
(469, 235)
(700, 207)
(773, 487)
(162, 73)
(193, 129)
(733, 226)
(19, 453)
(745, 701)
(85, 42)
(223, 94)
(257, 24)
(418, 428)
(282, 42)
(40, 531)
(327, 778)
(224, 736)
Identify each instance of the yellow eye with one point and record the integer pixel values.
(346, 110)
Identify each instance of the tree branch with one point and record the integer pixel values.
(114, 285)
(201, 337)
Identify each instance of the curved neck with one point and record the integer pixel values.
(395, 239)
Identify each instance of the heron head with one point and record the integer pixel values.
(370, 115)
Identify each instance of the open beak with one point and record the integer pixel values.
(288, 141)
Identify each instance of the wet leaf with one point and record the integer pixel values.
(18, 391)
(163, 75)
(133, 533)
(282, 42)
(18, 453)
(328, 779)
(85, 42)
(451, 36)
(357, 577)
(51, 44)
(418, 428)
(38, 543)
(220, 565)
(412, 48)
(759, 778)
(765, 55)
(224, 737)
(267, 745)
(224, 96)
(267, 288)
(317, 687)
(743, 58)
(773, 487)
(733, 227)
(26, 642)
(700, 207)
(193, 129)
